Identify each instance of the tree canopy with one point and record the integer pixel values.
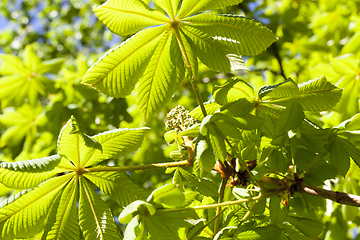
(178, 119)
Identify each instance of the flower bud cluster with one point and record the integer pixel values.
(179, 119)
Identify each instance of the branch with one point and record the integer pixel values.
(339, 197)
(299, 186)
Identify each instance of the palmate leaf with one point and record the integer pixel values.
(309, 227)
(63, 220)
(28, 174)
(242, 35)
(127, 17)
(23, 215)
(170, 195)
(25, 79)
(118, 186)
(157, 54)
(96, 219)
(161, 76)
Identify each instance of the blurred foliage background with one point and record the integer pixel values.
(315, 38)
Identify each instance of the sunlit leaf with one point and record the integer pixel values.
(231, 91)
(63, 221)
(28, 174)
(118, 185)
(96, 219)
(127, 17)
(24, 214)
(244, 36)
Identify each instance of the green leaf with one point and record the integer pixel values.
(192, 131)
(211, 107)
(339, 157)
(11, 64)
(309, 227)
(286, 89)
(161, 76)
(126, 214)
(114, 142)
(278, 212)
(318, 95)
(269, 232)
(117, 72)
(353, 151)
(28, 174)
(170, 7)
(95, 217)
(166, 225)
(128, 17)
(170, 195)
(204, 186)
(23, 215)
(231, 91)
(72, 144)
(190, 7)
(31, 60)
(170, 136)
(217, 141)
(210, 52)
(242, 35)
(351, 124)
(63, 221)
(291, 118)
(239, 108)
(118, 185)
(204, 158)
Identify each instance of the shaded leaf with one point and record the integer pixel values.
(232, 91)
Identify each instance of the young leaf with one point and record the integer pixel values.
(23, 215)
(239, 108)
(95, 217)
(126, 214)
(118, 185)
(217, 142)
(28, 174)
(63, 220)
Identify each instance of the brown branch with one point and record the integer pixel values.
(339, 197)
(299, 186)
